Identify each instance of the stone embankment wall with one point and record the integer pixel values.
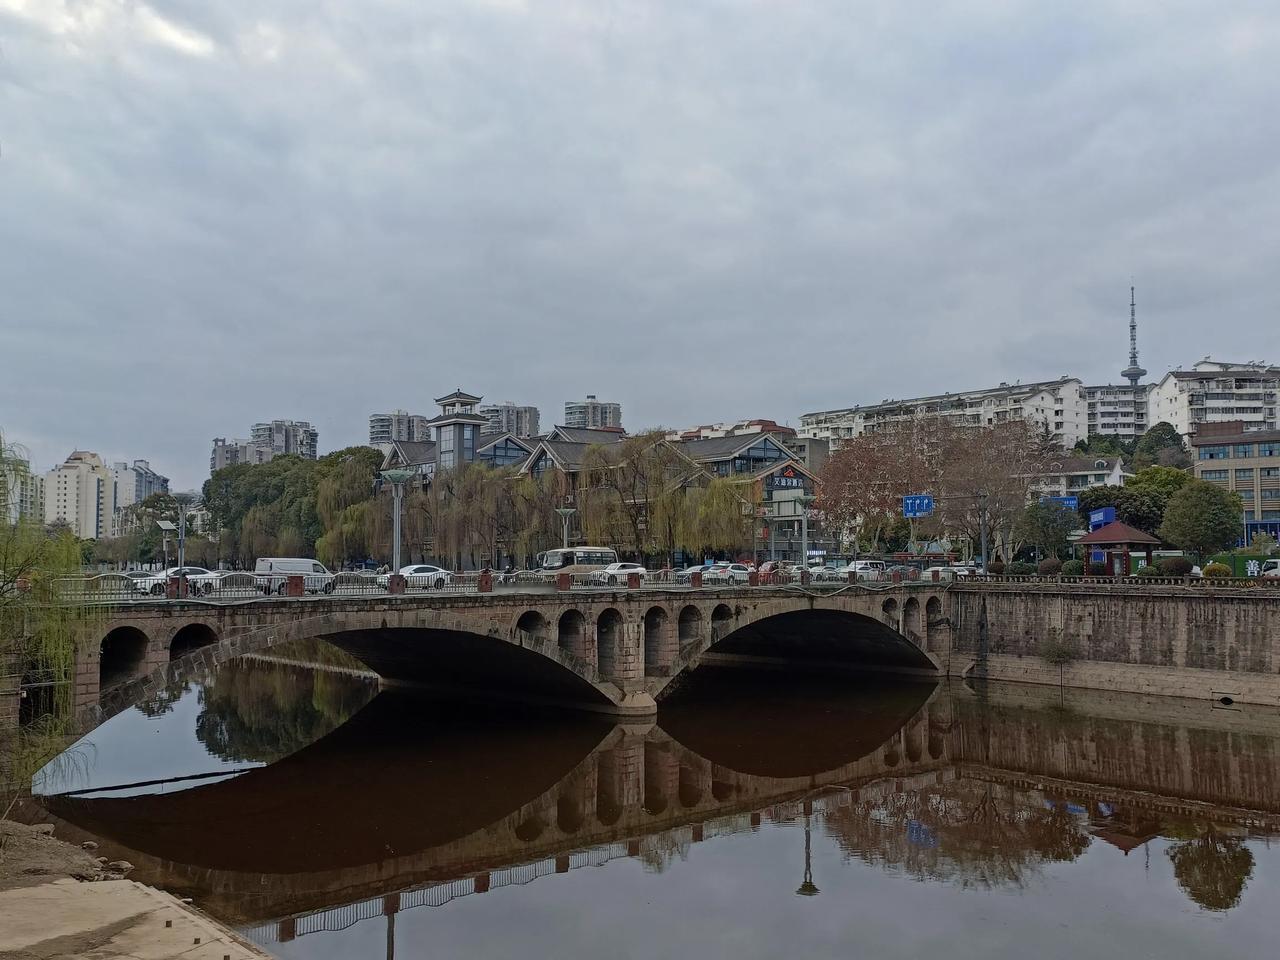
(1191, 641)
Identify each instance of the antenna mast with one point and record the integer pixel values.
(1134, 373)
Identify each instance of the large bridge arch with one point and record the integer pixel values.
(862, 635)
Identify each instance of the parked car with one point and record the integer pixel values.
(272, 574)
(617, 573)
(155, 582)
(686, 575)
(949, 572)
(420, 575)
(727, 573)
(1271, 568)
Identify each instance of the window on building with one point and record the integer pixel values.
(1269, 449)
(1215, 453)
(1214, 475)
(1245, 475)
(1270, 494)
(1247, 495)
(1269, 473)
(1244, 451)
(1270, 515)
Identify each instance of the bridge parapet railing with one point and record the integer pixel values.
(1201, 583)
(352, 584)
(226, 586)
(106, 587)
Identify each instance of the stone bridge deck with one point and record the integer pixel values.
(614, 651)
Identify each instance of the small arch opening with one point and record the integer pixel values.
(531, 626)
(720, 619)
(933, 625)
(191, 637)
(569, 635)
(608, 633)
(690, 791)
(568, 815)
(530, 829)
(911, 620)
(124, 651)
(657, 649)
(608, 807)
(690, 625)
(890, 607)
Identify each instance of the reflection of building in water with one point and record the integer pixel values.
(943, 786)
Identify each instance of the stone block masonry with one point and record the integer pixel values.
(1190, 641)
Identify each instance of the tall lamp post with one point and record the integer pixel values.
(807, 888)
(805, 500)
(397, 479)
(565, 513)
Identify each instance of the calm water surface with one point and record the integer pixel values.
(759, 817)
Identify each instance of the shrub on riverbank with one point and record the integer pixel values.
(1051, 567)
(1174, 566)
(1217, 570)
(1073, 568)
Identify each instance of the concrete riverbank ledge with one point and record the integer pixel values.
(111, 919)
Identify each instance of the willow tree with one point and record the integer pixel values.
(624, 483)
(41, 626)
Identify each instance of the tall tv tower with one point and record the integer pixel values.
(1134, 373)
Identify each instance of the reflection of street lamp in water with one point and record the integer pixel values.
(808, 888)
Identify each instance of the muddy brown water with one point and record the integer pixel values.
(760, 816)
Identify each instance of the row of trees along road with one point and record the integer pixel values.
(865, 480)
(640, 495)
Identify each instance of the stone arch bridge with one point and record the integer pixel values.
(616, 652)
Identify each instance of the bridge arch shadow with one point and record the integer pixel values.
(190, 638)
(811, 639)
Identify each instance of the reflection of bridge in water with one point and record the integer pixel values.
(416, 809)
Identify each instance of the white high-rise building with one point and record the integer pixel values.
(1118, 410)
(81, 492)
(135, 482)
(509, 418)
(386, 428)
(1057, 406)
(1213, 391)
(592, 414)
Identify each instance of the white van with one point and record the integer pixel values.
(272, 572)
(1271, 568)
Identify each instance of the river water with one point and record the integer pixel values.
(761, 816)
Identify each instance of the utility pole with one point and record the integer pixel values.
(804, 500)
(565, 513)
(982, 527)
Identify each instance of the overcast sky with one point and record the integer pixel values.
(218, 213)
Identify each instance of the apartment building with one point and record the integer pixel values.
(136, 481)
(1067, 476)
(384, 428)
(21, 492)
(508, 417)
(592, 414)
(1244, 460)
(1214, 391)
(284, 437)
(1117, 410)
(81, 492)
(1056, 405)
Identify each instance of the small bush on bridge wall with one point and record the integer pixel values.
(1217, 570)
(1020, 569)
(996, 567)
(1150, 570)
(1073, 568)
(1174, 566)
(1050, 567)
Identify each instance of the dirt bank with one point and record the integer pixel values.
(31, 855)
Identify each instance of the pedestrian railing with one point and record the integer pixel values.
(354, 584)
(226, 586)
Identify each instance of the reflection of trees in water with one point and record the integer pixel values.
(968, 832)
(1212, 869)
(165, 698)
(255, 710)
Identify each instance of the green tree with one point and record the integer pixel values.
(1162, 446)
(1048, 525)
(1162, 480)
(1139, 507)
(1203, 518)
(1212, 869)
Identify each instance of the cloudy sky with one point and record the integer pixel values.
(217, 213)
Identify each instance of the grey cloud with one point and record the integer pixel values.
(702, 210)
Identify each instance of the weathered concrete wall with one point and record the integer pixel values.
(1170, 641)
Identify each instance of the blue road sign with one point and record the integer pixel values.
(1071, 503)
(917, 505)
(1100, 518)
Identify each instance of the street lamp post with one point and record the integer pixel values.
(565, 513)
(807, 888)
(397, 479)
(805, 500)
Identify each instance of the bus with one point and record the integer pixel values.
(577, 560)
